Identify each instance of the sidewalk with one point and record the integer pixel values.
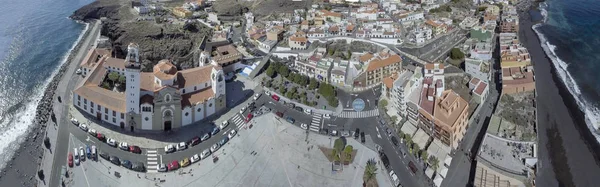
(339, 109)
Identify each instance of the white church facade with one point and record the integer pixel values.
(163, 99)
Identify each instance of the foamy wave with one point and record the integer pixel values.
(21, 122)
(543, 10)
(592, 116)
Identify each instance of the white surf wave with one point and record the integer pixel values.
(21, 122)
(592, 116)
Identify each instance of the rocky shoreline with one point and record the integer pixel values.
(21, 169)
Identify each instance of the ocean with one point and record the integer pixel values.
(35, 39)
(570, 35)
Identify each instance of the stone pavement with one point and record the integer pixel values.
(272, 153)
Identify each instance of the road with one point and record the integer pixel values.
(64, 89)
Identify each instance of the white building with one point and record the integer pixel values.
(478, 68)
(160, 100)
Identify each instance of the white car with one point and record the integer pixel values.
(304, 126)
(256, 96)
(181, 146)
(195, 158)
(215, 147)
(76, 156)
(394, 177)
(123, 146)
(326, 116)
(161, 168)
(308, 111)
(242, 110)
(92, 132)
(268, 93)
(83, 127)
(205, 137)
(81, 154)
(224, 124)
(204, 154)
(74, 121)
(169, 148)
(78, 71)
(232, 133)
(111, 142)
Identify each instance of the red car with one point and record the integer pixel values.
(100, 137)
(135, 149)
(279, 114)
(70, 159)
(275, 97)
(249, 117)
(195, 141)
(173, 165)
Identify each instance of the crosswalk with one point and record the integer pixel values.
(315, 124)
(238, 120)
(152, 161)
(362, 114)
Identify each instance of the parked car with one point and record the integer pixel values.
(346, 133)
(304, 126)
(138, 166)
(333, 133)
(105, 155)
(194, 141)
(185, 162)
(267, 93)
(92, 132)
(115, 160)
(291, 105)
(299, 109)
(205, 137)
(394, 177)
(126, 164)
(290, 120)
(70, 159)
(195, 158)
(215, 131)
(161, 168)
(326, 116)
(242, 110)
(123, 146)
(275, 97)
(83, 127)
(256, 96)
(232, 134)
(169, 148)
(88, 151)
(111, 142)
(181, 146)
(224, 140)
(205, 154)
(74, 121)
(362, 137)
(173, 165)
(224, 124)
(356, 133)
(81, 154)
(395, 141)
(100, 136)
(76, 155)
(135, 149)
(279, 114)
(412, 167)
(215, 147)
(308, 111)
(249, 117)
(94, 153)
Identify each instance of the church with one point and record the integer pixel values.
(163, 99)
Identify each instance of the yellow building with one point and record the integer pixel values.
(182, 12)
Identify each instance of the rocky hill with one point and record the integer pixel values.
(157, 40)
(260, 7)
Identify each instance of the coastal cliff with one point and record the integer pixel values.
(158, 38)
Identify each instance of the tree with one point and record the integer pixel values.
(283, 71)
(423, 155)
(105, 85)
(435, 163)
(313, 84)
(327, 90)
(348, 152)
(271, 71)
(122, 79)
(383, 103)
(370, 171)
(113, 76)
(349, 55)
(456, 54)
(408, 140)
(394, 119)
(339, 145)
(401, 134)
(332, 101)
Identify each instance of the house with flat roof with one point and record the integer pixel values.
(514, 55)
(451, 117)
(478, 68)
(517, 80)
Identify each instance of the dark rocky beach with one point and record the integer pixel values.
(567, 151)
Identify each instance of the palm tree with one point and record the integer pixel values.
(435, 163)
(370, 170)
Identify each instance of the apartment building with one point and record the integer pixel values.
(451, 116)
(514, 56)
(382, 66)
(298, 41)
(339, 72)
(517, 80)
(323, 69)
(478, 68)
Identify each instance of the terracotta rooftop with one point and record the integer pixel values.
(365, 57)
(165, 70)
(115, 62)
(197, 97)
(378, 63)
(448, 108)
(480, 88)
(194, 76)
(474, 81)
(389, 81)
(89, 89)
(431, 66)
(350, 27)
(93, 56)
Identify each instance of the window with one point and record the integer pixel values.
(183, 91)
(78, 97)
(210, 105)
(85, 101)
(92, 105)
(78, 103)
(146, 118)
(168, 98)
(122, 116)
(199, 109)
(114, 113)
(205, 84)
(105, 110)
(105, 117)
(186, 114)
(194, 88)
(114, 120)
(99, 107)
(84, 107)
